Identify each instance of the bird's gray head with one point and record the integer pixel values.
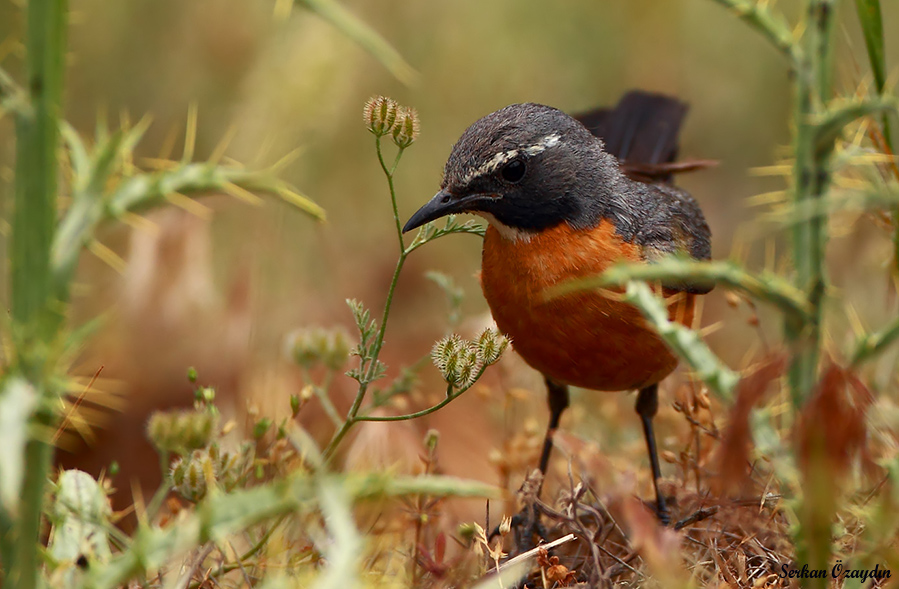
(526, 166)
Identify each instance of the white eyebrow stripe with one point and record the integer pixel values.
(506, 156)
(543, 144)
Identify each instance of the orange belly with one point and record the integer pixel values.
(583, 339)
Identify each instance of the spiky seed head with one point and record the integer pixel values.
(304, 347)
(458, 360)
(491, 345)
(178, 472)
(309, 346)
(182, 431)
(445, 356)
(337, 348)
(470, 364)
(379, 115)
(405, 131)
(190, 475)
(505, 526)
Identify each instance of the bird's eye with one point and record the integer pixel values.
(513, 171)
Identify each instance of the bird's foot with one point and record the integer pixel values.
(696, 516)
(527, 528)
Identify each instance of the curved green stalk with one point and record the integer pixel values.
(370, 371)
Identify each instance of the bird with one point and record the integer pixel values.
(566, 198)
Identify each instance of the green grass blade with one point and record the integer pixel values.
(872, 26)
(366, 37)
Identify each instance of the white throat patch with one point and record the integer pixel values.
(501, 158)
(506, 232)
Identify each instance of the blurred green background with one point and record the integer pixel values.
(287, 80)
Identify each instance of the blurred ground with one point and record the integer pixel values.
(222, 295)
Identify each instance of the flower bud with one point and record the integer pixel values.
(405, 131)
(432, 437)
(379, 114)
(261, 427)
(205, 395)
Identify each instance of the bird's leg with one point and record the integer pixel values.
(647, 406)
(557, 399)
(528, 521)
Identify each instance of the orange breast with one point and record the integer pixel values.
(583, 339)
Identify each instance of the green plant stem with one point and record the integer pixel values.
(328, 406)
(764, 287)
(242, 559)
(835, 119)
(873, 344)
(7, 543)
(39, 458)
(321, 392)
(369, 373)
(364, 36)
(36, 320)
(450, 397)
(37, 138)
(811, 180)
(147, 190)
(772, 26)
(685, 342)
(871, 19)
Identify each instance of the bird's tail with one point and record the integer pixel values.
(642, 131)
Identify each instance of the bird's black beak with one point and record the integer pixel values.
(441, 205)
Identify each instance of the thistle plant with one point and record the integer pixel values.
(821, 157)
(47, 240)
(384, 118)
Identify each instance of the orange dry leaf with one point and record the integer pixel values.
(832, 426)
(732, 455)
(659, 547)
